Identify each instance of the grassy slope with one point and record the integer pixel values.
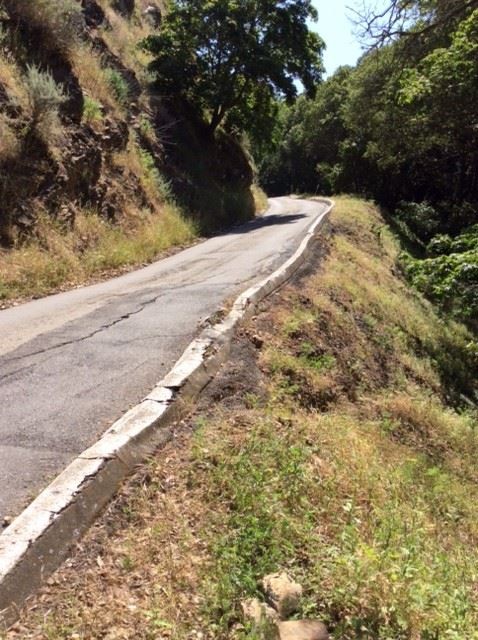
(55, 256)
(95, 249)
(333, 451)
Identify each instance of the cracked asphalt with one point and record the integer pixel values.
(73, 363)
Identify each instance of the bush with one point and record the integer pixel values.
(152, 177)
(119, 86)
(450, 280)
(92, 110)
(420, 217)
(45, 98)
(439, 245)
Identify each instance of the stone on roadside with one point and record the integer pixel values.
(282, 593)
(303, 630)
(257, 341)
(263, 617)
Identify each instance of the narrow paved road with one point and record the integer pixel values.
(72, 363)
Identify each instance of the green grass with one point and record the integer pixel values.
(92, 111)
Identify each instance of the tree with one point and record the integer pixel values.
(231, 59)
(409, 19)
(306, 152)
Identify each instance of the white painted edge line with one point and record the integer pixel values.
(40, 538)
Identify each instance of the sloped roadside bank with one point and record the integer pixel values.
(367, 497)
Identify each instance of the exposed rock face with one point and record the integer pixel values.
(87, 161)
(125, 7)
(93, 13)
(282, 593)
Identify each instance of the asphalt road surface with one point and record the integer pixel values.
(72, 363)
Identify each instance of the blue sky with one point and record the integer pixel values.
(337, 31)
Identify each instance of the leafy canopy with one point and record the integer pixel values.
(231, 59)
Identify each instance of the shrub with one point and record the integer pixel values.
(449, 280)
(44, 97)
(420, 217)
(92, 110)
(119, 86)
(439, 245)
(152, 177)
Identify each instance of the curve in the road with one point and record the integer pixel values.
(72, 363)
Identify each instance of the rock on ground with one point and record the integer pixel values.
(263, 617)
(303, 630)
(282, 593)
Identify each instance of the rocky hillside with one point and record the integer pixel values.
(80, 130)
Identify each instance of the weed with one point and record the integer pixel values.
(146, 128)
(313, 358)
(92, 111)
(119, 86)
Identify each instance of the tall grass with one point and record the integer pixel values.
(58, 259)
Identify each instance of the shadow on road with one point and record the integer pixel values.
(266, 221)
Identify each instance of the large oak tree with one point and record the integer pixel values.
(231, 59)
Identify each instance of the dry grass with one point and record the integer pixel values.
(11, 78)
(325, 453)
(9, 143)
(140, 163)
(260, 199)
(93, 79)
(123, 38)
(57, 20)
(92, 249)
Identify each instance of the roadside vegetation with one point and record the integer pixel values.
(55, 259)
(400, 127)
(339, 444)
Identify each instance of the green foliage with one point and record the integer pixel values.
(401, 128)
(152, 176)
(146, 127)
(420, 217)
(45, 97)
(229, 59)
(92, 110)
(451, 279)
(119, 86)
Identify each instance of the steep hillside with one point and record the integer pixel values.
(86, 150)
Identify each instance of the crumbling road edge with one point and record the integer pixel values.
(40, 538)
